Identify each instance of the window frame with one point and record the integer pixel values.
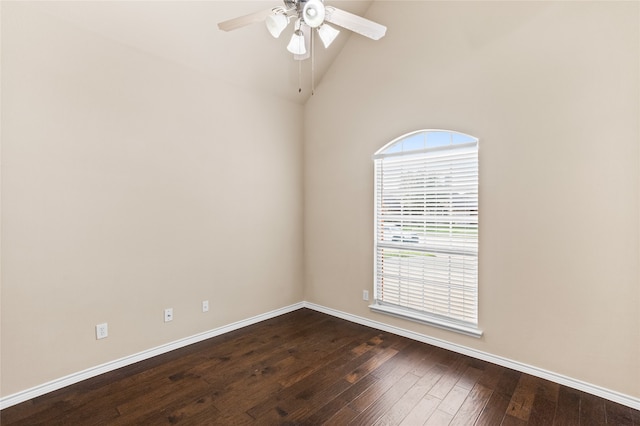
(389, 150)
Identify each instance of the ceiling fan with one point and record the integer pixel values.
(308, 15)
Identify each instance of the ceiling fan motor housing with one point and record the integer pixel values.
(291, 4)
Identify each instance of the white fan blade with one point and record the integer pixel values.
(306, 30)
(245, 20)
(355, 23)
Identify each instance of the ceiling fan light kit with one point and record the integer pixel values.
(310, 15)
(276, 23)
(313, 13)
(297, 43)
(327, 34)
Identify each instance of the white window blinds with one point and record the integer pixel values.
(426, 229)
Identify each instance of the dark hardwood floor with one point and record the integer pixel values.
(307, 368)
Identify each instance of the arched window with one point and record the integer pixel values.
(426, 229)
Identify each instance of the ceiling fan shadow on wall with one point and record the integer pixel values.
(310, 17)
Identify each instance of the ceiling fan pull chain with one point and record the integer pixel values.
(313, 63)
(299, 76)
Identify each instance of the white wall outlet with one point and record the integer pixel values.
(365, 294)
(102, 331)
(205, 306)
(168, 314)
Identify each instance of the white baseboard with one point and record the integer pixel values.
(614, 396)
(53, 385)
(45, 388)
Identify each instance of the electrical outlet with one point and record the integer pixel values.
(102, 331)
(168, 314)
(205, 306)
(365, 294)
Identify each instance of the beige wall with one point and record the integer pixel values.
(552, 91)
(131, 184)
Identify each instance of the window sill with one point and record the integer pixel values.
(428, 320)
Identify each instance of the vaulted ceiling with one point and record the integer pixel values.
(186, 32)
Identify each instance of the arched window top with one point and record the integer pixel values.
(425, 140)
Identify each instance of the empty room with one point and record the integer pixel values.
(320, 212)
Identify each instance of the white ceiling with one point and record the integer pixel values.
(186, 32)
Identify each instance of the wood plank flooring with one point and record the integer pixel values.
(307, 368)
